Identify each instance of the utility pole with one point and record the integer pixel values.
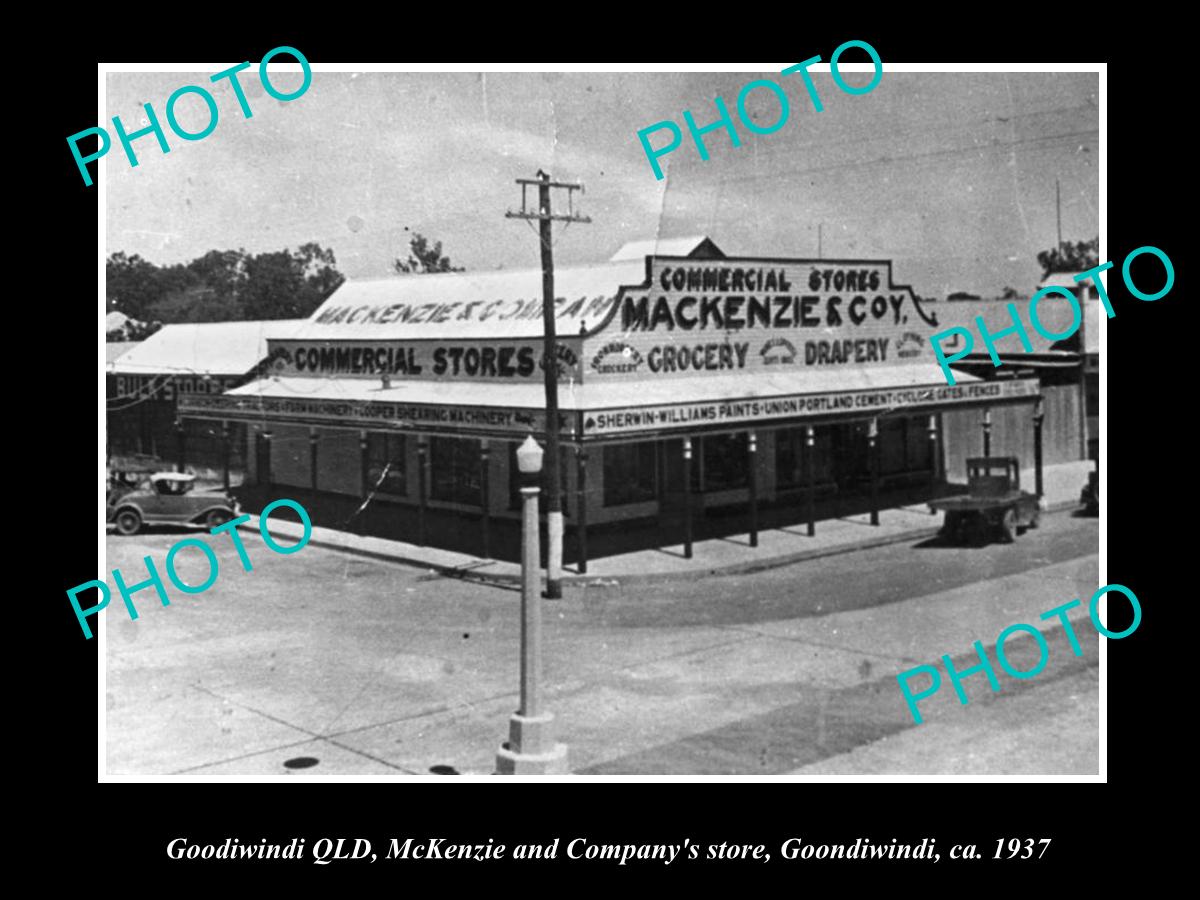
(1058, 211)
(819, 240)
(545, 215)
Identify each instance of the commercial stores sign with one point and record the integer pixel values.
(472, 360)
(788, 406)
(723, 316)
(733, 315)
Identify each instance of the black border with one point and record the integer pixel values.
(121, 830)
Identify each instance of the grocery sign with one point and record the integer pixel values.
(733, 316)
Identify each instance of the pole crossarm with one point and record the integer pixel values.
(547, 217)
(569, 185)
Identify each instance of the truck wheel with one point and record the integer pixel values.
(977, 530)
(129, 522)
(952, 529)
(216, 518)
(1008, 526)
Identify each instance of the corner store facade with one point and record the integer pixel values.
(695, 391)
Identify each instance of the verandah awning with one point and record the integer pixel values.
(596, 411)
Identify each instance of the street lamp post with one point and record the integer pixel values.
(530, 749)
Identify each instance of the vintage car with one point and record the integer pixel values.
(168, 498)
(994, 502)
(1090, 495)
(126, 473)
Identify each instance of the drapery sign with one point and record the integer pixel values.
(716, 412)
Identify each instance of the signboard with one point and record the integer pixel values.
(768, 409)
(465, 360)
(165, 387)
(723, 316)
(461, 311)
(364, 414)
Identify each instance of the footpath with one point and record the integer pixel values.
(720, 556)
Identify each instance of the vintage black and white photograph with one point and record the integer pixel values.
(600, 422)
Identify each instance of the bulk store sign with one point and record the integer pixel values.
(732, 315)
(165, 387)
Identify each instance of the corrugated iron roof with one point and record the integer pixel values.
(681, 246)
(113, 350)
(504, 304)
(204, 348)
(1060, 279)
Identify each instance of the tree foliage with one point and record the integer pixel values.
(423, 259)
(1068, 257)
(223, 285)
(132, 330)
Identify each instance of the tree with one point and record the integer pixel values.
(1009, 293)
(132, 330)
(289, 285)
(1068, 257)
(423, 259)
(131, 284)
(223, 285)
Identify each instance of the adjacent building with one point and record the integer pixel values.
(145, 383)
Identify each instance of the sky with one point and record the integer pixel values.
(951, 175)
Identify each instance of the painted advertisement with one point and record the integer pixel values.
(729, 316)
(769, 409)
(399, 416)
(465, 360)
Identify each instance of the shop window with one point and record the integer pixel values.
(904, 445)
(789, 458)
(454, 471)
(630, 473)
(919, 455)
(790, 448)
(724, 463)
(565, 457)
(386, 452)
(892, 446)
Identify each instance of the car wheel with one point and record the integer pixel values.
(216, 518)
(1008, 526)
(129, 522)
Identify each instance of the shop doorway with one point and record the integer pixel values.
(262, 458)
(850, 456)
(672, 498)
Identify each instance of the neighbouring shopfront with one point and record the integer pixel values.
(700, 395)
(145, 384)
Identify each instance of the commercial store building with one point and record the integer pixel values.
(699, 394)
(145, 383)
